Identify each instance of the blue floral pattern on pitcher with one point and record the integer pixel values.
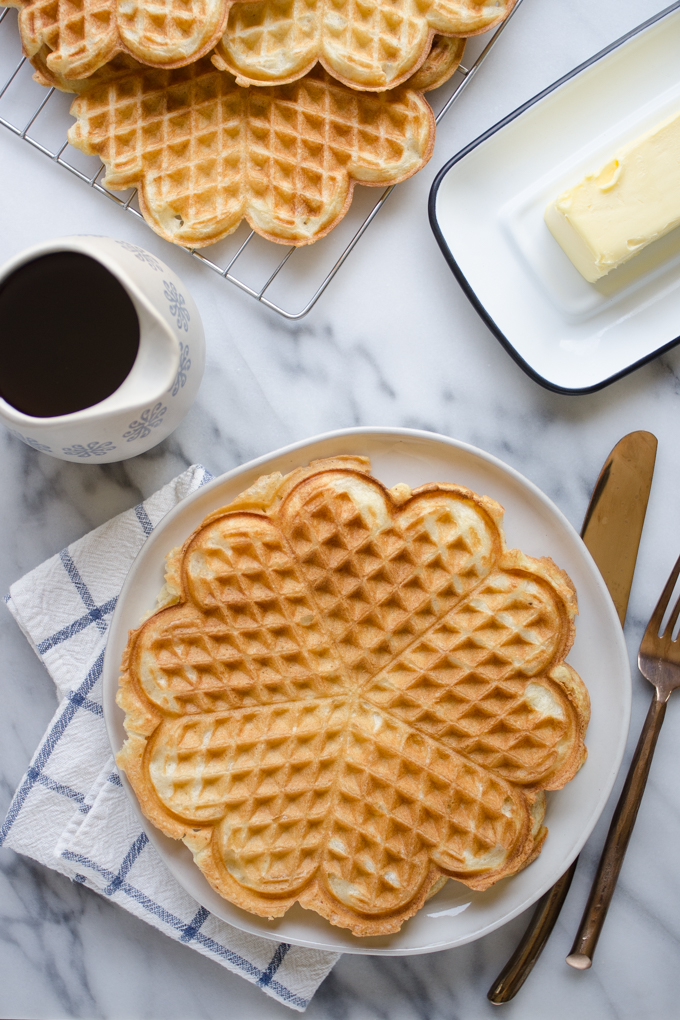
(82, 450)
(142, 255)
(141, 427)
(177, 305)
(184, 366)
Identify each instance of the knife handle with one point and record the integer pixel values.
(520, 964)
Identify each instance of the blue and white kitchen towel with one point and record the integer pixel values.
(70, 811)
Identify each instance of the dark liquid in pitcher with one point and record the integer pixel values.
(69, 335)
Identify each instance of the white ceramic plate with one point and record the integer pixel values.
(534, 524)
(487, 206)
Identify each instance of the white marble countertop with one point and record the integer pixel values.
(393, 342)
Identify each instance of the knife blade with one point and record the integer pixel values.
(611, 531)
(613, 522)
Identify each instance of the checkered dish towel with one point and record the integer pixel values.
(70, 811)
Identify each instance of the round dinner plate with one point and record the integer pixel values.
(455, 915)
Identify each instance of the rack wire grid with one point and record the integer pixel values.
(41, 117)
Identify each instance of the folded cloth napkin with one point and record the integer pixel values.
(70, 811)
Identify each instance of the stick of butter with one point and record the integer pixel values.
(609, 216)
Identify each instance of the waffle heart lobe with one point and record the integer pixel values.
(355, 695)
(80, 36)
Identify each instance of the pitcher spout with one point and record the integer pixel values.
(157, 365)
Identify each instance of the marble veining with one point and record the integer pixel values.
(393, 342)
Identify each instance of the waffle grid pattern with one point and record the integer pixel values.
(355, 696)
(465, 682)
(83, 35)
(366, 44)
(205, 152)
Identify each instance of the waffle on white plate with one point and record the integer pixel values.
(349, 694)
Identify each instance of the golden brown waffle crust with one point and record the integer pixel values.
(76, 40)
(193, 200)
(371, 683)
(370, 46)
(205, 154)
(267, 42)
(441, 62)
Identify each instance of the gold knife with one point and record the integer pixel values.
(611, 531)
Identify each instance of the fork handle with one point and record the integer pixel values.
(581, 956)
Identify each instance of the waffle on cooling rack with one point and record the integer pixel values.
(366, 44)
(441, 62)
(205, 153)
(350, 692)
(77, 37)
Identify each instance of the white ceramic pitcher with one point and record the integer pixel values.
(163, 381)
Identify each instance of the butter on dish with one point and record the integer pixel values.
(634, 199)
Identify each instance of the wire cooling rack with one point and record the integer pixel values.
(40, 116)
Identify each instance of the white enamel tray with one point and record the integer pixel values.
(455, 915)
(487, 206)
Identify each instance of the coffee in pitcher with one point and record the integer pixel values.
(69, 334)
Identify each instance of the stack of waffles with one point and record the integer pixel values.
(349, 694)
(269, 111)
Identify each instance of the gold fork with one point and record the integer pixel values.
(659, 662)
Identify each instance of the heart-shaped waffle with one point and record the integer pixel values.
(205, 153)
(350, 692)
